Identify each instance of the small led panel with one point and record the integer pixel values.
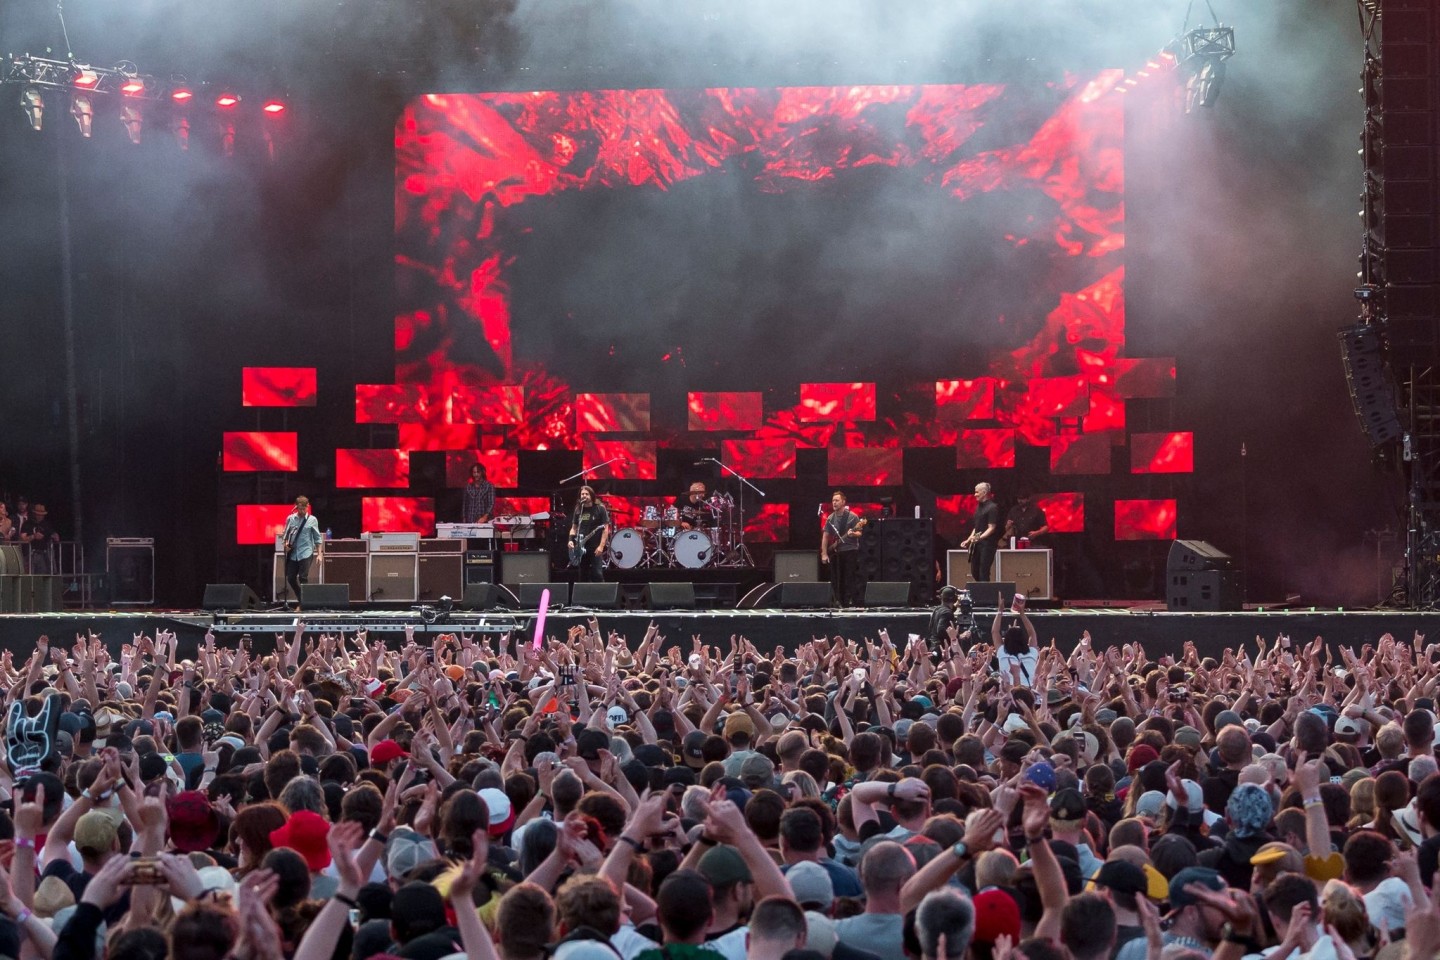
(726, 411)
(1162, 452)
(979, 449)
(1081, 453)
(398, 515)
(277, 386)
(438, 436)
(612, 412)
(965, 399)
(770, 523)
(260, 523)
(502, 467)
(257, 450)
(837, 401)
(627, 459)
(372, 468)
(866, 466)
(1064, 512)
(389, 403)
(503, 405)
(1145, 519)
(772, 459)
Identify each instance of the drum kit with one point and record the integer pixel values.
(660, 539)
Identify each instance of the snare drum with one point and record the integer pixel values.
(627, 548)
(693, 549)
(671, 525)
(651, 519)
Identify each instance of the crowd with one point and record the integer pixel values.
(592, 798)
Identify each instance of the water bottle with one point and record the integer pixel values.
(327, 534)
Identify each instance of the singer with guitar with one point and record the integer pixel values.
(589, 534)
(303, 543)
(841, 538)
(984, 534)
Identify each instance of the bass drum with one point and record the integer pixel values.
(693, 549)
(627, 548)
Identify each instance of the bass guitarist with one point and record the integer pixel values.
(984, 533)
(840, 548)
(589, 535)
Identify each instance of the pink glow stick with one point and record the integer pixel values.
(540, 620)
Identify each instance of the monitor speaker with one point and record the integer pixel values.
(392, 578)
(527, 567)
(440, 575)
(229, 596)
(487, 596)
(803, 595)
(530, 594)
(887, 593)
(796, 566)
(324, 596)
(670, 596)
(1195, 555)
(991, 594)
(597, 596)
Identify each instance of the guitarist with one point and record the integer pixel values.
(589, 533)
(984, 534)
(842, 540)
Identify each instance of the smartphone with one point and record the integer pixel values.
(357, 701)
(145, 871)
(1017, 605)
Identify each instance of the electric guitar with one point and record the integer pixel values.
(577, 549)
(831, 540)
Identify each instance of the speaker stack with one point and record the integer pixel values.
(907, 553)
(1200, 577)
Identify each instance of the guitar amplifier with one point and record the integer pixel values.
(351, 569)
(387, 542)
(441, 575)
(392, 578)
(442, 546)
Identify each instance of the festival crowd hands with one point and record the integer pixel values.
(596, 796)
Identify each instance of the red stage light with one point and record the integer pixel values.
(87, 79)
(181, 95)
(226, 100)
(273, 107)
(133, 87)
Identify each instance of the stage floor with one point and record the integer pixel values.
(1159, 630)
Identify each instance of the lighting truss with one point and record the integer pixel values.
(1201, 54)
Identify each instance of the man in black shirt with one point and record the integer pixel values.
(840, 542)
(589, 535)
(694, 511)
(984, 534)
(1026, 520)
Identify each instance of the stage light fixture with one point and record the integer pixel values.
(1202, 53)
(132, 115)
(33, 103)
(226, 101)
(182, 95)
(274, 107)
(86, 78)
(82, 108)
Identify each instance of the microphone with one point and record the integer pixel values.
(701, 463)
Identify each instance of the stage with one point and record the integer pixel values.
(1160, 631)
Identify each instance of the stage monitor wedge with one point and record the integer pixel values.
(887, 593)
(229, 596)
(530, 594)
(798, 595)
(990, 594)
(487, 596)
(670, 596)
(595, 596)
(324, 596)
(1196, 555)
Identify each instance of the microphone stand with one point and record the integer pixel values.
(739, 555)
(558, 530)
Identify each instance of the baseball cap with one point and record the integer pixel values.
(1067, 807)
(1201, 875)
(723, 865)
(589, 743)
(739, 723)
(385, 751)
(502, 812)
(95, 833)
(1123, 876)
(996, 915)
(1042, 775)
(757, 771)
(693, 748)
(811, 885)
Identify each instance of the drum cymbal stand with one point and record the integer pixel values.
(739, 554)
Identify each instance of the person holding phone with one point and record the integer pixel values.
(1017, 643)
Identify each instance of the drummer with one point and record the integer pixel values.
(694, 511)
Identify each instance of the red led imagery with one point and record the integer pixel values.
(278, 387)
(260, 451)
(260, 523)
